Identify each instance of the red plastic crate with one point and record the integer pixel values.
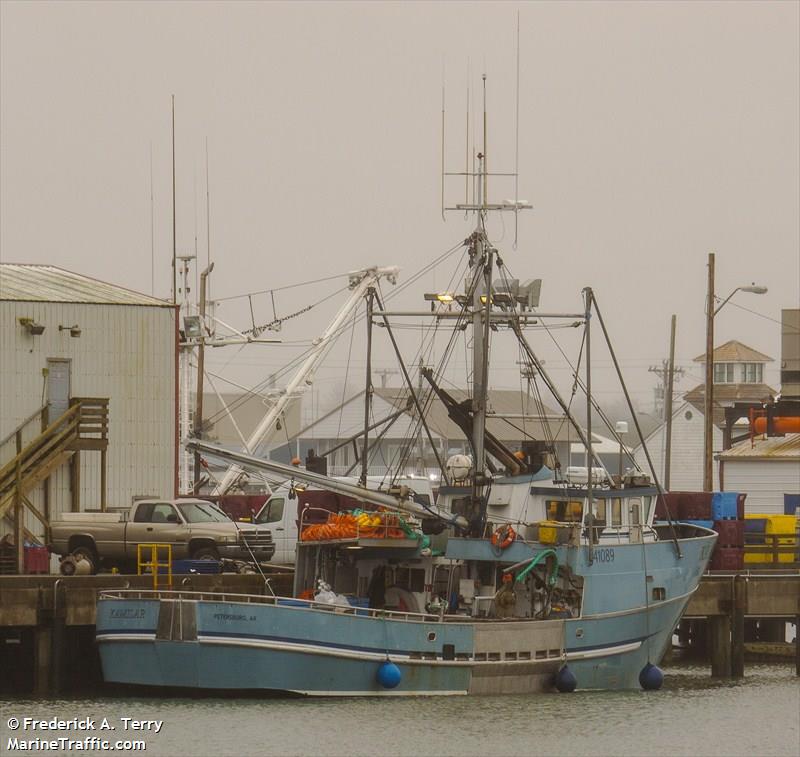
(37, 560)
(668, 500)
(727, 558)
(731, 533)
(695, 506)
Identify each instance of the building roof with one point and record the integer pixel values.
(48, 283)
(735, 352)
(765, 448)
(726, 395)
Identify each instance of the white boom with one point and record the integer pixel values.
(406, 504)
(360, 282)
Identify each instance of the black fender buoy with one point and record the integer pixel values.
(566, 681)
(651, 677)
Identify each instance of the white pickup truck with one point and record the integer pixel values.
(195, 528)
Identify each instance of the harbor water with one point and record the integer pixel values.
(693, 714)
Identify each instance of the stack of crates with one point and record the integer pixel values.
(727, 511)
(721, 511)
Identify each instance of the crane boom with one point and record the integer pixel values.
(406, 504)
(360, 283)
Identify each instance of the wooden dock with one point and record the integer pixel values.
(47, 622)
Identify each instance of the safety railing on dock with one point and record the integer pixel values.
(772, 550)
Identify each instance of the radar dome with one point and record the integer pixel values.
(459, 467)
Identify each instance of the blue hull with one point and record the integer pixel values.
(263, 645)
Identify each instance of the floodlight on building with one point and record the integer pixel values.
(33, 328)
(192, 327)
(74, 331)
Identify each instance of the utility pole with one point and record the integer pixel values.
(708, 409)
(665, 376)
(668, 404)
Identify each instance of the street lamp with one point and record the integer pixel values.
(711, 311)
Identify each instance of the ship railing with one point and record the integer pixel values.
(289, 603)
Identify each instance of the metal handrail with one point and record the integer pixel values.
(156, 594)
(22, 425)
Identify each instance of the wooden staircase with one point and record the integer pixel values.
(84, 426)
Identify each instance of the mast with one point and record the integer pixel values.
(481, 317)
(201, 352)
(589, 454)
(367, 392)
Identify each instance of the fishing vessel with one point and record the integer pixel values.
(524, 576)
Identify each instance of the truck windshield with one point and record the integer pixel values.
(202, 512)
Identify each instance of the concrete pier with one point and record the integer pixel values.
(729, 609)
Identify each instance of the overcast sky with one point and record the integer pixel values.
(650, 134)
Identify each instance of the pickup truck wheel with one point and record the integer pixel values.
(206, 553)
(85, 553)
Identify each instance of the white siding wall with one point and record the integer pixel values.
(125, 353)
(764, 481)
(686, 467)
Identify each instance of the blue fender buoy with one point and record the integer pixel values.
(566, 681)
(389, 675)
(651, 677)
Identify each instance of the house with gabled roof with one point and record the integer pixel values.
(738, 372)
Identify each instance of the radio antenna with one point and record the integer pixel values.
(466, 153)
(208, 214)
(174, 248)
(443, 105)
(152, 230)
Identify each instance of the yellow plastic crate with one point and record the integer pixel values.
(775, 524)
(548, 532)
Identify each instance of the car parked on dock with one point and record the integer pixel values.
(194, 528)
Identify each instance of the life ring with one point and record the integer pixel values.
(503, 537)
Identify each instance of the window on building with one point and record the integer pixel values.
(752, 373)
(723, 373)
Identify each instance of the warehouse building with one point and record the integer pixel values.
(88, 396)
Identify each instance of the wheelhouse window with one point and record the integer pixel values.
(616, 511)
(634, 510)
(565, 511)
(599, 506)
